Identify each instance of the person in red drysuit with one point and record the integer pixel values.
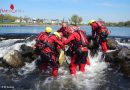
(41, 37)
(64, 30)
(80, 51)
(101, 32)
(49, 52)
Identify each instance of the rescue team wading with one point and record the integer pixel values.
(49, 46)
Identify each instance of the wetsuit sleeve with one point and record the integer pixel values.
(70, 38)
(59, 43)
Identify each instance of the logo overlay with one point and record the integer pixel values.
(11, 10)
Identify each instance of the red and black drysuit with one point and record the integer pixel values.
(49, 53)
(41, 37)
(101, 32)
(80, 51)
(64, 31)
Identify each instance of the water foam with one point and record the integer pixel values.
(124, 44)
(90, 80)
(28, 68)
(7, 45)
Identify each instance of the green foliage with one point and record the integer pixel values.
(7, 17)
(127, 23)
(119, 24)
(1, 17)
(40, 21)
(75, 19)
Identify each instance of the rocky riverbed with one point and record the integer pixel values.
(18, 66)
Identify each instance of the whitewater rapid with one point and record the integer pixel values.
(94, 76)
(89, 80)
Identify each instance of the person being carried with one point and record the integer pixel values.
(99, 33)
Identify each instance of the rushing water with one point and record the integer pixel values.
(98, 76)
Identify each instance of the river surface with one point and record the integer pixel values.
(115, 31)
(98, 76)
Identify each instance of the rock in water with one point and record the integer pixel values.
(120, 58)
(112, 44)
(26, 49)
(27, 53)
(93, 47)
(14, 59)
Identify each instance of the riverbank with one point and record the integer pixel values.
(15, 25)
(25, 24)
(33, 25)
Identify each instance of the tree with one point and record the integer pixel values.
(26, 19)
(75, 19)
(127, 23)
(20, 18)
(40, 21)
(7, 17)
(1, 17)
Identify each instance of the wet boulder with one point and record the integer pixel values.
(112, 44)
(93, 47)
(120, 58)
(1, 63)
(27, 53)
(14, 59)
(24, 49)
(17, 59)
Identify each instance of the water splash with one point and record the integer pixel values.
(90, 80)
(28, 68)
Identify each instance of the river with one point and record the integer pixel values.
(115, 31)
(98, 76)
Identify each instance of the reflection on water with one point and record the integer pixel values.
(27, 29)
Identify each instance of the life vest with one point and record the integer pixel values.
(102, 29)
(83, 37)
(41, 39)
(51, 45)
(42, 36)
(83, 41)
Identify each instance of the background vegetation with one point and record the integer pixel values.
(74, 19)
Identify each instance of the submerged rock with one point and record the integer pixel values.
(112, 44)
(120, 58)
(17, 59)
(27, 53)
(14, 59)
(93, 46)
